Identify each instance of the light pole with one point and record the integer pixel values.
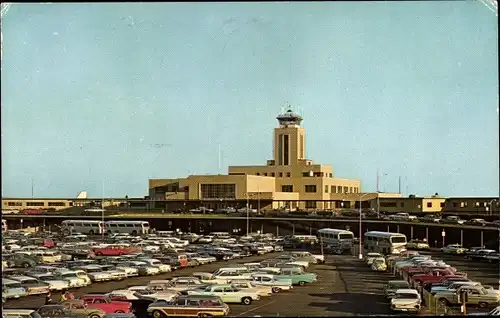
(248, 214)
(490, 204)
(360, 224)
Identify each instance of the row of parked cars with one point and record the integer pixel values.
(201, 294)
(433, 282)
(473, 253)
(32, 266)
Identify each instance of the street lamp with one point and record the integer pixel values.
(491, 206)
(360, 224)
(248, 215)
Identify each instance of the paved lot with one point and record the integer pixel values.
(346, 287)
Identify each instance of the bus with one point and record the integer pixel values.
(338, 241)
(384, 242)
(131, 227)
(4, 225)
(89, 227)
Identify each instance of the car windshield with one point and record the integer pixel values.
(13, 285)
(398, 239)
(69, 275)
(48, 277)
(406, 296)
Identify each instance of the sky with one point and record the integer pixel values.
(102, 97)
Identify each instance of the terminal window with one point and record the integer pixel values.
(287, 188)
(346, 189)
(339, 189)
(57, 204)
(288, 174)
(35, 203)
(310, 188)
(14, 203)
(429, 204)
(334, 189)
(326, 189)
(218, 191)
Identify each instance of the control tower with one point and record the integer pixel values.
(289, 139)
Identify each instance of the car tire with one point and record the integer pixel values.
(119, 312)
(91, 232)
(246, 301)
(482, 304)
(158, 314)
(204, 315)
(302, 283)
(443, 301)
(275, 290)
(94, 316)
(25, 265)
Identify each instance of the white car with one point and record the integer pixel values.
(143, 267)
(96, 274)
(129, 271)
(74, 280)
(163, 268)
(184, 283)
(371, 256)
(206, 239)
(166, 295)
(54, 282)
(379, 264)
(269, 280)
(246, 285)
(123, 294)
(407, 300)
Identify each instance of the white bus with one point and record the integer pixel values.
(131, 227)
(90, 227)
(384, 242)
(4, 225)
(338, 241)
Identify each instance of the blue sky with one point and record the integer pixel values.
(114, 94)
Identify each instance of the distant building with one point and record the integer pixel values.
(289, 180)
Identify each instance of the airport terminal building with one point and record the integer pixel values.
(288, 181)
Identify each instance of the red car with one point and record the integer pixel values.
(104, 302)
(113, 251)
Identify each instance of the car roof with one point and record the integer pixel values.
(407, 291)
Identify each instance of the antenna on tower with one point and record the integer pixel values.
(219, 160)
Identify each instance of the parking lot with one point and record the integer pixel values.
(345, 286)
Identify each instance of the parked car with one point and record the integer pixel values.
(417, 245)
(276, 285)
(477, 295)
(227, 293)
(12, 289)
(394, 285)
(192, 306)
(406, 300)
(453, 249)
(104, 302)
(297, 276)
(78, 307)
